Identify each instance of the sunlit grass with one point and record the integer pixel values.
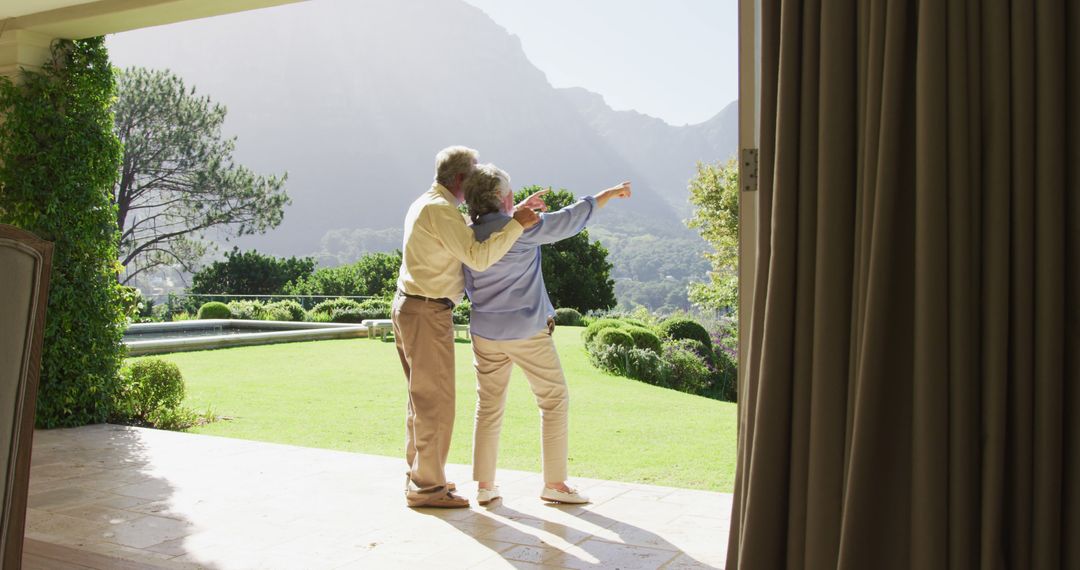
(350, 395)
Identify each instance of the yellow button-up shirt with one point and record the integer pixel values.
(437, 241)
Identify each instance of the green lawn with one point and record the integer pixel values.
(350, 395)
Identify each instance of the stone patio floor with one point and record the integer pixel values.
(119, 497)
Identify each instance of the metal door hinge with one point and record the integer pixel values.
(748, 166)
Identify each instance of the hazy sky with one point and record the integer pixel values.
(672, 59)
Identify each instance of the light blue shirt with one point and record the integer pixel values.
(509, 300)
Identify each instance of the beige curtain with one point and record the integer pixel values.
(914, 390)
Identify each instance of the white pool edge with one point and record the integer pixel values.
(300, 331)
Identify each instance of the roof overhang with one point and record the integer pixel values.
(76, 19)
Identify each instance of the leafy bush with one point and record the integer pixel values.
(59, 161)
(462, 312)
(376, 308)
(693, 345)
(647, 366)
(608, 358)
(286, 311)
(724, 380)
(644, 338)
(328, 306)
(687, 371)
(148, 386)
(598, 325)
(173, 419)
(213, 310)
(567, 317)
(614, 337)
(644, 365)
(318, 318)
(276, 314)
(681, 327)
(347, 315)
(248, 310)
(131, 300)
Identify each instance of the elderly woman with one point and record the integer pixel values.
(512, 322)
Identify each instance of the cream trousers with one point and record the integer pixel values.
(493, 360)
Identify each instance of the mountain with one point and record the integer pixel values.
(354, 97)
(666, 155)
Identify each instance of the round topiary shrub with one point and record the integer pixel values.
(328, 307)
(567, 317)
(644, 338)
(598, 325)
(286, 311)
(149, 386)
(214, 310)
(614, 337)
(681, 327)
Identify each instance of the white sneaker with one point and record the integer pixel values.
(557, 496)
(485, 496)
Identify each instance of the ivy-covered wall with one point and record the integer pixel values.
(59, 160)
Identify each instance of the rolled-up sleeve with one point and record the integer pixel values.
(567, 222)
(448, 226)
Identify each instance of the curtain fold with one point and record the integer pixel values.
(913, 397)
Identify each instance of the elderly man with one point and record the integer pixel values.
(437, 242)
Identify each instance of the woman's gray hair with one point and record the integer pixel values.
(454, 160)
(485, 189)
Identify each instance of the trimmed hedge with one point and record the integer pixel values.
(598, 325)
(644, 338)
(614, 337)
(214, 310)
(681, 327)
(567, 317)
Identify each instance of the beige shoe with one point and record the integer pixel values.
(443, 500)
(450, 486)
(485, 496)
(557, 496)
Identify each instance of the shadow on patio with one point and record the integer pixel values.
(173, 500)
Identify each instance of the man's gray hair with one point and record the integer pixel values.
(485, 189)
(454, 160)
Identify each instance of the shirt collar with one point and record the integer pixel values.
(446, 193)
(491, 216)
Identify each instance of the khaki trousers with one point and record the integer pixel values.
(493, 360)
(424, 335)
